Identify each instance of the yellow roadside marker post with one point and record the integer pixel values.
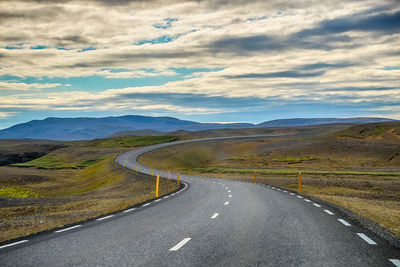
(190, 172)
(177, 179)
(157, 184)
(169, 175)
(254, 179)
(123, 164)
(136, 169)
(299, 182)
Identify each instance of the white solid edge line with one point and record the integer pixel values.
(396, 262)
(69, 228)
(226, 203)
(180, 244)
(316, 205)
(329, 212)
(13, 244)
(129, 210)
(214, 215)
(366, 239)
(344, 222)
(145, 204)
(230, 196)
(103, 218)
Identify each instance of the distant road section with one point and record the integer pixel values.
(209, 222)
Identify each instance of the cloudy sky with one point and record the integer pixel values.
(210, 61)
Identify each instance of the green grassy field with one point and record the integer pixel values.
(72, 182)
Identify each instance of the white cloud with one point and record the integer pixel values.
(6, 114)
(202, 27)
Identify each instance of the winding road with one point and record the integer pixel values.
(209, 222)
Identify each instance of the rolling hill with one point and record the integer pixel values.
(90, 128)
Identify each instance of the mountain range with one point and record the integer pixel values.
(90, 128)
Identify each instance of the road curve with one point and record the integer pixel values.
(209, 222)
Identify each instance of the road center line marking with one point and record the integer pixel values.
(299, 196)
(366, 239)
(157, 200)
(104, 218)
(316, 205)
(214, 216)
(307, 200)
(285, 191)
(344, 222)
(180, 244)
(146, 204)
(230, 196)
(129, 210)
(226, 187)
(229, 191)
(329, 212)
(226, 203)
(69, 228)
(291, 194)
(13, 244)
(166, 197)
(396, 262)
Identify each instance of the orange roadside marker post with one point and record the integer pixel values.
(169, 175)
(157, 184)
(177, 179)
(299, 182)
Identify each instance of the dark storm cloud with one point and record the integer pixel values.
(327, 35)
(387, 23)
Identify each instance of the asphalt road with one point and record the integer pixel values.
(209, 222)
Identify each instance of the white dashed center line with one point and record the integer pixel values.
(329, 212)
(129, 210)
(69, 228)
(344, 222)
(180, 244)
(157, 200)
(146, 204)
(396, 262)
(307, 200)
(214, 216)
(299, 196)
(104, 218)
(13, 244)
(226, 187)
(226, 203)
(284, 191)
(366, 239)
(291, 194)
(316, 205)
(229, 191)
(230, 196)
(166, 197)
